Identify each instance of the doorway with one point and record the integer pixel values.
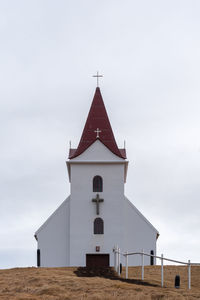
(97, 260)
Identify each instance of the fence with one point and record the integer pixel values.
(117, 254)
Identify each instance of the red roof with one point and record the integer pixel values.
(97, 119)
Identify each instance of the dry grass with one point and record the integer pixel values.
(63, 284)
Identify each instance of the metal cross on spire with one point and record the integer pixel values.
(97, 76)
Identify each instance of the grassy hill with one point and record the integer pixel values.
(70, 283)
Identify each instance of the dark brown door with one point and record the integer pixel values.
(97, 260)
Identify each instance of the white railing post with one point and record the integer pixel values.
(162, 272)
(142, 264)
(127, 265)
(119, 261)
(189, 275)
(116, 258)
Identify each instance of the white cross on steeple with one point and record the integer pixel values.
(97, 131)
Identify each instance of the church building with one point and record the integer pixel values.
(96, 216)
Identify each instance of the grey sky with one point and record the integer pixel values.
(148, 52)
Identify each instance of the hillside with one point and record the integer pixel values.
(66, 283)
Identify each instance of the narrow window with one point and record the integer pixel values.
(98, 226)
(152, 258)
(38, 257)
(97, 184)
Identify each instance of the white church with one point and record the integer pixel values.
(96, 216)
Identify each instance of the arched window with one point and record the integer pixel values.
(98, 226)
(97, 184)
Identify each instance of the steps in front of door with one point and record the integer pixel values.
(106, 272)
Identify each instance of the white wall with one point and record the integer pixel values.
(96, 160)
(53, 238)
(139, 234)
(83, 211)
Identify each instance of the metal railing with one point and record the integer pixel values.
(117, 254)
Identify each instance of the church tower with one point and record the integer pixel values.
(96, 216)
(97, 172)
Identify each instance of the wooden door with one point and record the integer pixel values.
(97, 260)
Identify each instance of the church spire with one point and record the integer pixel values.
(98, 127)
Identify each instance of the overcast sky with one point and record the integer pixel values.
(149, 54)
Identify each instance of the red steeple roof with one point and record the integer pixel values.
(97, 119)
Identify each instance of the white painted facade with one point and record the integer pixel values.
(67, 236)
(53, 237)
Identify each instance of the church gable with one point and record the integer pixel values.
(97, 152)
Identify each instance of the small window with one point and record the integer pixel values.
(97, 184)
(98, 226)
